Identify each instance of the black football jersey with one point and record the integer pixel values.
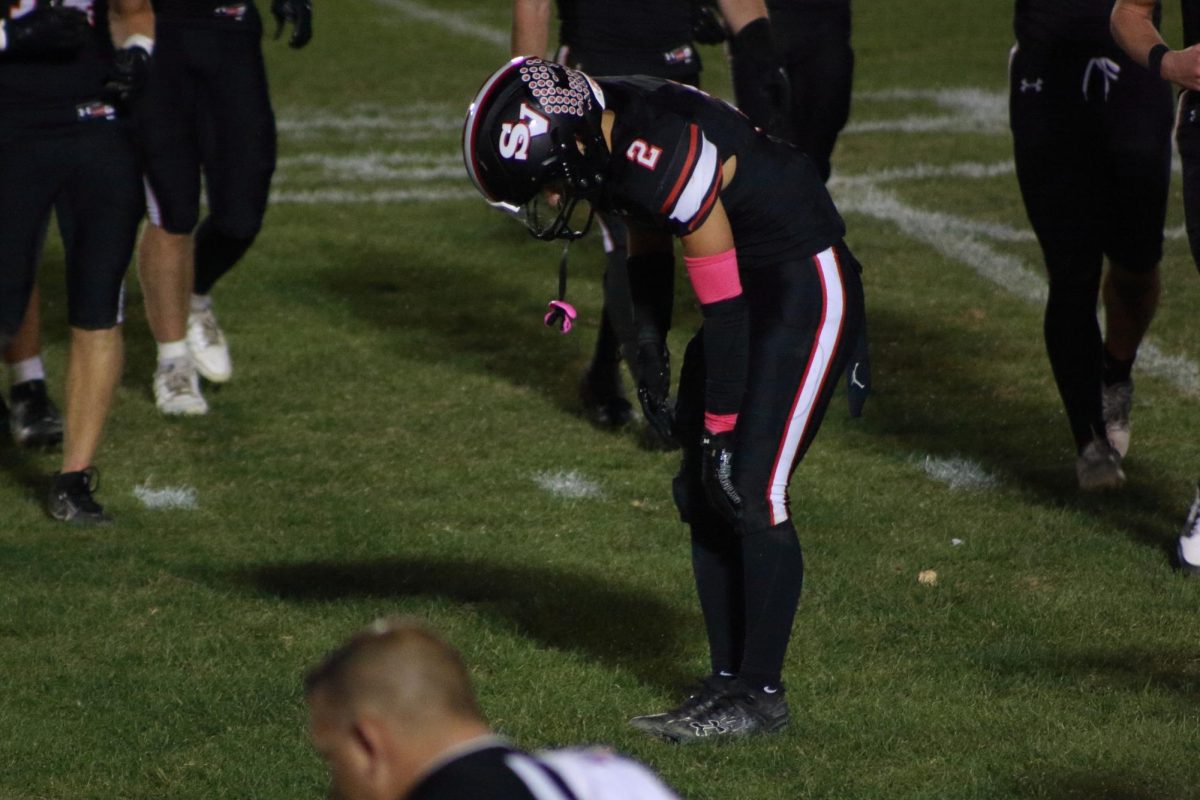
(669, 146)
(209, 13)
(30, 84)
(1055, 23)
(625, 25)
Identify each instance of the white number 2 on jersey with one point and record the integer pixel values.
(644, 153)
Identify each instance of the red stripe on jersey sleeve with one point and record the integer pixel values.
(688, 165)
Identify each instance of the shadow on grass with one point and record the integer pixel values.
(1097, 785)
(936, 393)
(589, 614)
(1131, 670)
(462, 314)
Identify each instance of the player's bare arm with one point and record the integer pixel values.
(530, 27)
(1133, 28)
(129, 18)
(738, 13)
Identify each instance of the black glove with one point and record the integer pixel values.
(708, 26)
(127, 76)
(760, 83)
(654, 385)
(297, 12)
(48, 32)
(716, 473)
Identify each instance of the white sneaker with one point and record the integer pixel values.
(1118, 402)
(177, 390)
(207, 346)
(1099, 467)
(1189, 539)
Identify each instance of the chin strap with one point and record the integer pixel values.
(562, 314)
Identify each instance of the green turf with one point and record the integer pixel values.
(396, 398)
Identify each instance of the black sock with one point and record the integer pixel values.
(1115, 369)
(774, 573)
(717, 565)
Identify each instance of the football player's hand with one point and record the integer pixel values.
(760, 83)
(716, 473)
(654, 387)
(47, 32)
(297, 12)
(127, 76)
(765, 96)
(708, 26)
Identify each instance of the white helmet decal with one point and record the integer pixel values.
(515, 136)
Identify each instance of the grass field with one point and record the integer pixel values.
(402, 436)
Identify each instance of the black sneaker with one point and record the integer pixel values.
(71, 498)
(738, 712)
(603, 397)
(701, 698)
(33, 419)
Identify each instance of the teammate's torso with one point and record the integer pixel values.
(231, 14)
(33, 84)
(625, 24)
(1078, 24)
(669, 147)
(629, 37)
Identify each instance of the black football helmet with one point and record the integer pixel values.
(535, 127)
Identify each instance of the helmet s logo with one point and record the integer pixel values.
(515, 136)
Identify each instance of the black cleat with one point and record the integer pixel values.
(71, 498)
(735, 711)
(603, 397)
(33, 419)
(700, 699)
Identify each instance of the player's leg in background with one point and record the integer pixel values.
(1056, 149)
(27, 189)
(1188, 139)
(1139, 118)
(103, 204)
(33, 419)
(168, 137)
(601, 390)
(237, 142)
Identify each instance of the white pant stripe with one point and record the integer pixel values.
(815, 374)
(153, 213)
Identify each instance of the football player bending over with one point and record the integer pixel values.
(782, 303)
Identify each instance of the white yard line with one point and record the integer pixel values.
(379, 197)
(167, 497)
(959, 473)
(456, 23)
(959, 239)
(570, 485)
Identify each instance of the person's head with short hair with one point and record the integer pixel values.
(385, 705)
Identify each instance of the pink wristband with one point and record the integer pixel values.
(719, 423)
(714, 278)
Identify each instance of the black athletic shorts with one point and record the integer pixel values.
(1092, 143)
(207, 108)
(88, 169)
(805, 315)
